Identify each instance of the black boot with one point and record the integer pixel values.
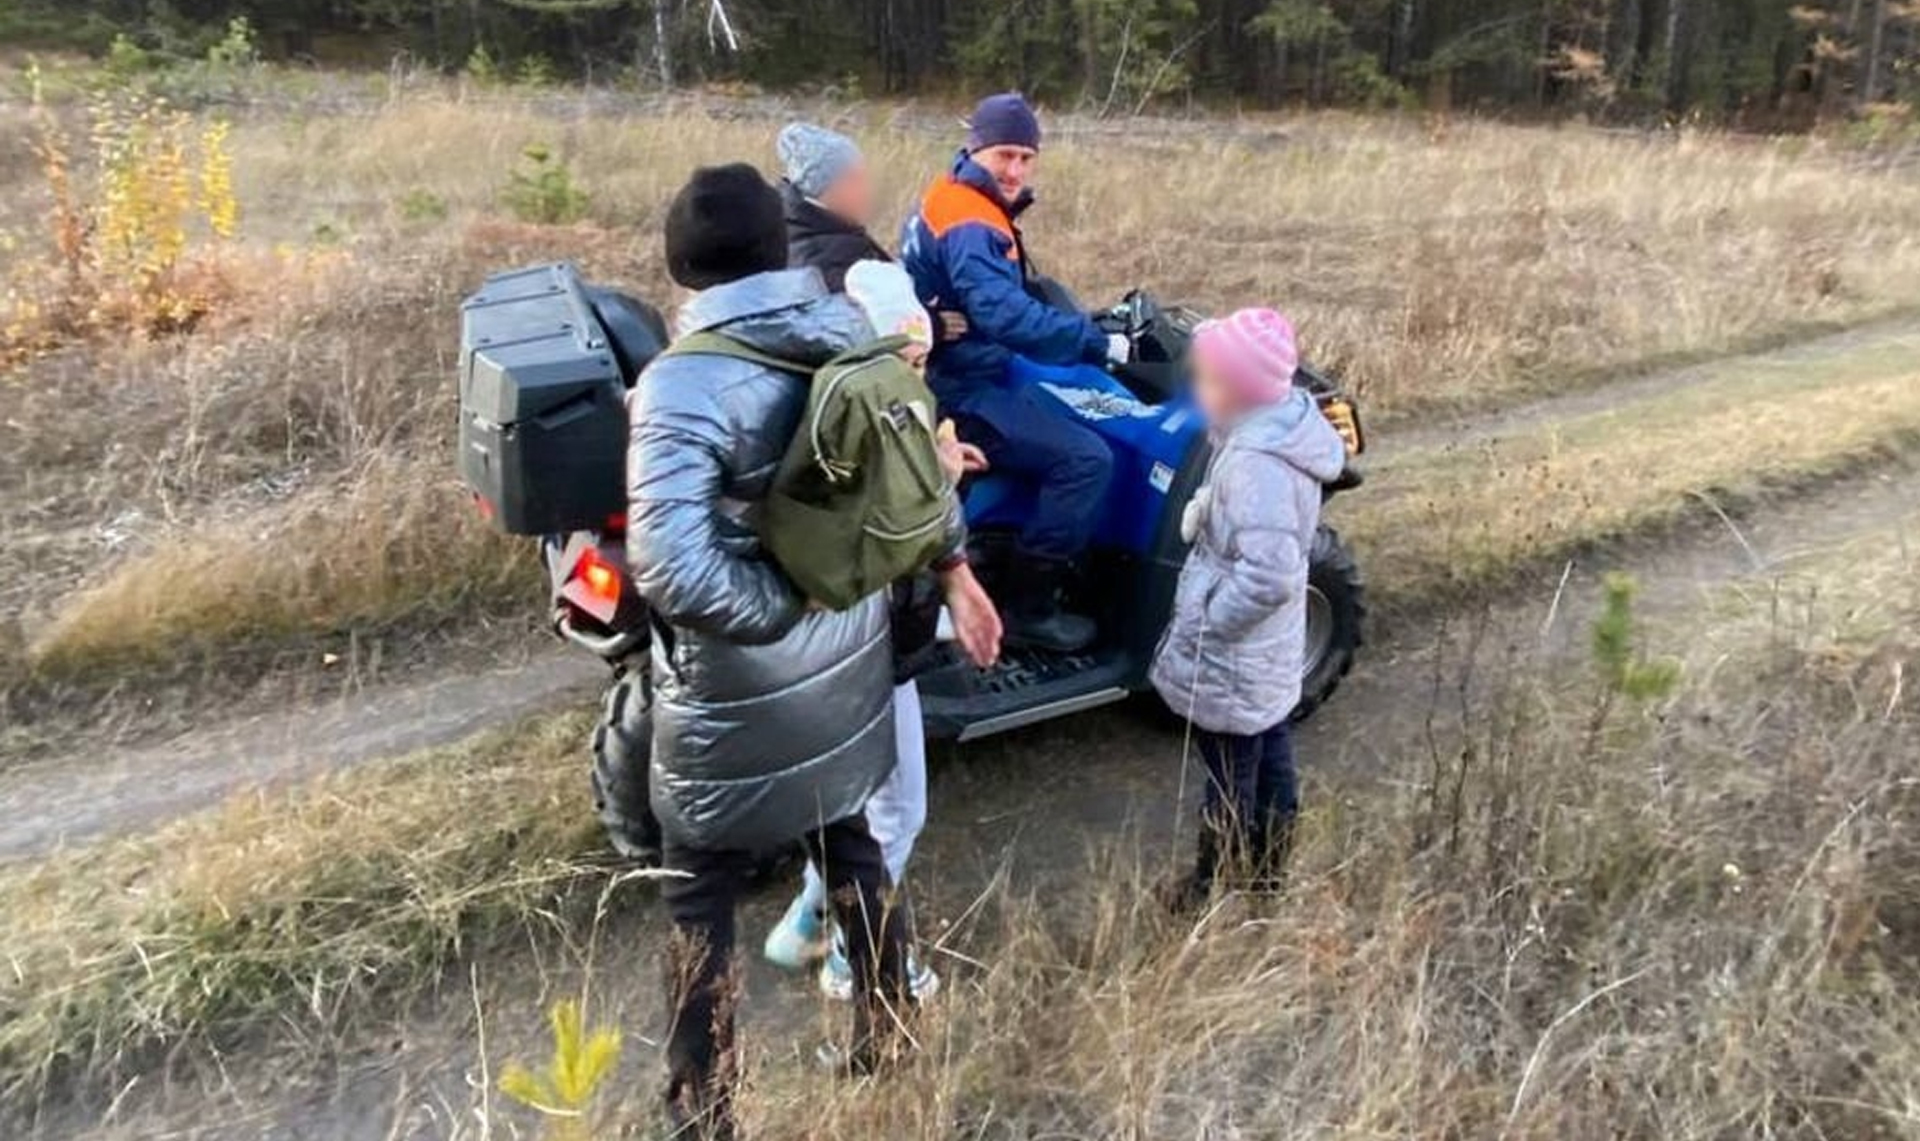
(1188, 893)
(1272, 851)
(691, 1117)
(1035, 619)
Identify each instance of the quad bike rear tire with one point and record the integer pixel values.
(622, 780)
(622, 752)
(1336, 615)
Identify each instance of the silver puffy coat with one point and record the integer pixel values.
(769, 718)
(1231, 658)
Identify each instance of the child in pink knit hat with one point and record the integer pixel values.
(1232, 658)
(1241, 361)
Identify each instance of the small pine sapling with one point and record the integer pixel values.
(1624, 669)
(562, 1091)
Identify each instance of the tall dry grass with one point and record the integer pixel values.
(1433, 265)
(398, 537)
(1566, 917)
(1438, 268)
(314, 899)
(1561, 914)
(284, 472)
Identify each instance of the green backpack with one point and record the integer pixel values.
(860, 498)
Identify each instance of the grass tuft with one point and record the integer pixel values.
(306, 900)
(396, 539)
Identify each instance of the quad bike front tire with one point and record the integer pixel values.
(622, 752)
(1336, 613)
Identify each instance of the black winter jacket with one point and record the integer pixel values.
(823, 240)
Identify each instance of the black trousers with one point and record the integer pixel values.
(703, 979)
(1251, 800)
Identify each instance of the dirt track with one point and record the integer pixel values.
(1810, 355)
(1021, 811)
(47, 803)
(51, 802)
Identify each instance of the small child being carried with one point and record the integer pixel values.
(1230, 663)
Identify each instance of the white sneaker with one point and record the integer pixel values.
(836, 977)
(800, 938)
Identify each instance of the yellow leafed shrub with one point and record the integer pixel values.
(217, 199)
(135, 227)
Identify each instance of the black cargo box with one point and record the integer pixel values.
(543, 422)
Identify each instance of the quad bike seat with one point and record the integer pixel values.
(635, 330)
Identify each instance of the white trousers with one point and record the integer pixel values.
(897, 810)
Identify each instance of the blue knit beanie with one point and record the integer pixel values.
(1003, 120)
(814, 156)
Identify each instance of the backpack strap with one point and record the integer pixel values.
(711, 344)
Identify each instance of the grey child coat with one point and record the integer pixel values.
(1230, 661)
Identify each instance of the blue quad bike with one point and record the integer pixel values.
(547, 361)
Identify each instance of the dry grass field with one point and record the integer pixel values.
(1549, 909)
(287, 460)
(1563, 913)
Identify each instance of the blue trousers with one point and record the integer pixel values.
(1252, 787)
(1026, 434)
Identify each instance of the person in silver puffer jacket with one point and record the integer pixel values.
(767, 715)
(772, 718)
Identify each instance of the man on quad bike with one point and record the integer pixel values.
(964, 250)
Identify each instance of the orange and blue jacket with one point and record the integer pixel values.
(963, 249)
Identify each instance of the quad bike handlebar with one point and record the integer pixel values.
(1132, 317)
(1161, 337)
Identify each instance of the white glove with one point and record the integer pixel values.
(1119, 348)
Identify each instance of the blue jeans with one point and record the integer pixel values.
(1253, 792)
(1026, 435)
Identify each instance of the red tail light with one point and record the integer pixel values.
(485, 505)
(602, 578)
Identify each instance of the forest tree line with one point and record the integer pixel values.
(1761, 61)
